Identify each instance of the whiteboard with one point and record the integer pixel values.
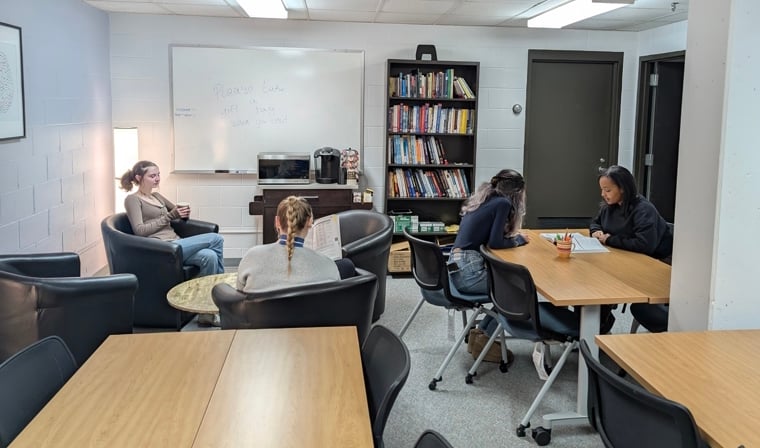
(229, 104)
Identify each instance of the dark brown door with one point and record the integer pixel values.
(571, 132)
(658, 129)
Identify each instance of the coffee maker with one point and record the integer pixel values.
(328, 168)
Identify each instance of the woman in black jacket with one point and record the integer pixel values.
(627, 220)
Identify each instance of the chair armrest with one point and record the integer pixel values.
(83, 288)
(193, 227)
(58, 264)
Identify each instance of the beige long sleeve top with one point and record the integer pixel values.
(151, 220)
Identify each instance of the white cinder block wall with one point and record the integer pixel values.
(54, 184)
(141, 92)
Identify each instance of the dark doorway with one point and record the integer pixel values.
(658, 128)
(571, 133)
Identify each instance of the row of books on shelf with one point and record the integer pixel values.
(433, 119)
(416, 150)
(441, 84)
(419, 183)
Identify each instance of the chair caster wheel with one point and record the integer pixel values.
(521, 430)
(542, 436)
(468, 378)
(433, 383)
(503, 367)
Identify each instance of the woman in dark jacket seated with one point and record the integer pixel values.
(627, 220)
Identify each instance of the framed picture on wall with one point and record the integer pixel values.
(12, 124)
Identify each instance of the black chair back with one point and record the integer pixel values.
(428, 264)
(512, 290)
(386, 364)
(431, 439)
(28, 380)
(366, 238)
(629, 416)
(343, 302)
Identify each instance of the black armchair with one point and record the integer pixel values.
(366, 239)
(343, 302)
(157, 265)
(42, 295)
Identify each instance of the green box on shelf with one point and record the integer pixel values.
(432, 226)
(400, 222)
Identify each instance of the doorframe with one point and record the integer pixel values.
(643, 103)
(591, 57)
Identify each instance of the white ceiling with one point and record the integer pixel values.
(641, 15)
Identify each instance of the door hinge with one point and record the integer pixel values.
(649, 159)
(653, 78)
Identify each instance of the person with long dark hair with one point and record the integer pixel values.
(627, 220)
(492, 216)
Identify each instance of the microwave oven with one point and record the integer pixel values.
(283, 168)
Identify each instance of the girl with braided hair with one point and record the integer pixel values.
(286, 262)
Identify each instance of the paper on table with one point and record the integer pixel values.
(581, 244)
(324, 237)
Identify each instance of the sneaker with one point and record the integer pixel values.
(539, 361)
(208, 320)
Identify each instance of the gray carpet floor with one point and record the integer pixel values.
(486, 413)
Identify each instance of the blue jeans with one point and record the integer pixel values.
(472, 278)
(205, 251)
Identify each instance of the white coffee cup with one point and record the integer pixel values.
(183, 205)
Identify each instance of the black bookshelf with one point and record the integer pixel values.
(415, 132)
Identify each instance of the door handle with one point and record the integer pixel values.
(600, 169)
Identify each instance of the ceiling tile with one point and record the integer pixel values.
(203, 10)
(635, 14)
(488, 8)
(138, 7)
(418, 6)
(482, 20)
(341, 16)
(418, 19)
(345, 5)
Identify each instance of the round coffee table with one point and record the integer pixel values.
(195, 295)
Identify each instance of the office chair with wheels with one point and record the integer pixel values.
(431, 439)
(28, 380)
(430, 273)
(386, 363)
(628, 416)
(514, 298)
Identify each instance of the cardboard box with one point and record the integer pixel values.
(400, 258)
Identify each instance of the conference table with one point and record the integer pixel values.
(228, 388)
(589, 280)
(713, 373)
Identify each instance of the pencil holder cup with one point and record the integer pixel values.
(564, 248)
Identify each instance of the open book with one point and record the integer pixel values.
(324, 237)
(581, 244)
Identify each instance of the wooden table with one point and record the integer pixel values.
(194, 295)
(715, 374)
(229, 388)
(589, 280)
